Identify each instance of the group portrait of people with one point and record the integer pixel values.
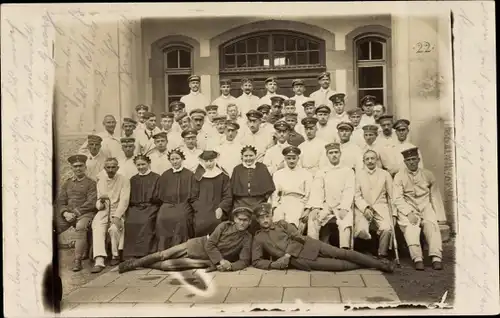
(250, 181)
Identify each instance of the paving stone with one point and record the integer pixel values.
(361, 272)
(288, 280)
(338, 280)
(145, 294)
(102, 310)
(103, 280)
(253, 271)
(187, 295)
(255, 295)
(158, 272)
(137, 281)
(368, 295)
(93, 294)
(160, 308)
(200, 308)
(236, 280)
(311, 295)
(375, 281)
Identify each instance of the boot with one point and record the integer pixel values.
(132, 264)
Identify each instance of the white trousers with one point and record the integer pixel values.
(99, 231)
(290, 209)
(382, 224)
(318, 218)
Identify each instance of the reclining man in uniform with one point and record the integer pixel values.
(228, 248)
(282, 241)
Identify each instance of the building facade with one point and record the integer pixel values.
(404, 61)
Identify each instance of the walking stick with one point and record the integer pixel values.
(352, 228)
(108, 223)
(394, 240)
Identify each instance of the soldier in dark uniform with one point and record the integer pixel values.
(228, 248)
(288, 248)
(76, 207)
(276, 109)
(294, 138)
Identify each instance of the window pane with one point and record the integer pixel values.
(377, 50)
(241, 47)
(177, 84)
(279, 60)
(229, 49)
(302, 58)
(185, 58)
(279, 43)
(371, 77)
(230, 61)
(252, 45)
(313, 46)
(290, 43)
(172, 59)
(314, 57)
(264, 44)
(253, 60)
(291, 59)
(378, 93)
(241, 60)
(301, 45)
(364, 51)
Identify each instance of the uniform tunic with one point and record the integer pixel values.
(192, 161)
(418, 192)
(177, 191)
(336, 119)
(357, 136)
(146, 141)
(312, 154)
(261, 140)
(299, 100)
(140, 217)
(204, 136)
(127, 168)
(215, 192)
(367, 120)
(321, 97)
(328, 132)
(246, 102)
(333, 190)
(194, 100)
(274, 159)
(229, 155)
(110, 146)
(222, 101)
(393, 160)
(291, 197)
(95, 165)
(159, 161)
(174, 139)
(352, 156)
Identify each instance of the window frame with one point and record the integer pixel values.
(270, 34)
(371, 63)
(175, 71)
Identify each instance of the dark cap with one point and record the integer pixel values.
(368, 100)
(161, 134)
(225, 81)
(412, 152)
(189, 133)
(194, 78)
(277, 99)
(356, 111)
(219, 118)
(345, 125)
(94, 138)
(246, 80)
(291, 150)
(208, 155)
(297, 82)
(181, 116)
(211, 107)
(401, 123)
(177, 105)
(141, 106)
(77, 159)
(308, 103)
(254, 114)
(232, 124)
(290, 102)
(324, 74)
(264, 108)
(288, 115)
(370, 128)
(337, 98)
(127, 140)
(271, 79)
(197, 113)
(281, 125)
(129, 121)
(148, 115)
(309, 122)
(167, 115)
(332, 145)
(263, 209)
(247, 211)
(385, 117)
(323, 109)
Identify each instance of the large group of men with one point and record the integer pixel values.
(354, 169)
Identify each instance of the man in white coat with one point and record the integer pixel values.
(352, 157)
(225, 97)
(159, 155)
(339, 113)
(367, 104)
(191, 149)
(420, 207)
(274, 159)
(299, 97)
(230, 149)
(293, 186)
(271, 84)
(127, 164)
(195, 99)
(323, 94)
(247, 100)
(139, 114)
(313, 148)
(262, 140)
(373, 202)
(144, 138)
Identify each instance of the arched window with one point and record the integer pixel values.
(371, 67)
(178, 67)
(285, 54)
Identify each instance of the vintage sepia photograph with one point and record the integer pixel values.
(254, 159)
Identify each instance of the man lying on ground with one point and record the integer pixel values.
(228, 248)
(282, 241)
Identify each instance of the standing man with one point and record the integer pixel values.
(190, 149)
(212, 111)
(95, 156)
(299, 97)
(195, 99)
(276, 109)
(159, 155)
(355, 118)
(332, 198)
(225, 97)
(293, 186)
(265, 125)
(139, 112)
(323, 94)
(145, 137)
(126, 164)
(218, 137)
(289, 106)
(167, 126)
(309, 111)
(177, 107)
(326, 131)
(247, 100)
(386, 133)
(312, 148)
(367, 104)
(371, 142)
(230, 149)
(274, 158)
(203, 131)
(294, 138)
(255, 136)
(352, 157)
(271, 84)
(374, 202)
(234, 115)
(113, 194)
(111, 146)
(419, 204)
(401, 126)
(339, 114)
(76, 207)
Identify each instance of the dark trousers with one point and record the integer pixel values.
(82, 227)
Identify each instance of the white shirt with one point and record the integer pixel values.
(127, 167)
(335, 186)
(266, 99)
(377, 147)
(174, 139)
(192, 161)
(321, 97)
(118, 191)
(110, 146)
(336, 119)
(159, 161)
(358, 136)
(292, 182)
(95, 165)
(328, 133)
(222, 101)
(195, 100)
(229, 155)
(374, 188)
(299, 100)
(245, 102)
(145, 140)
(261, 140)
(215, 141)
(312, 152)
(274, 158)
(367, 120)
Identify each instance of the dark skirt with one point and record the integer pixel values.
(173, 224)
(140, 224)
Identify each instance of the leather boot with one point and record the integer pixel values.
(132, 264)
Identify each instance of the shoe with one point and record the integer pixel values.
(114, 261)
(132, 264)
(419, 266)
(437, 265)
(389, 266)
(97, 269)
(77, 265)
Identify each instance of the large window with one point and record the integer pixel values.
(178, 67)
(371, 67)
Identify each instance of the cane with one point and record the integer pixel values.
(353, 224)
(108, 224)
(394, 240)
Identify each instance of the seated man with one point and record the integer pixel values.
(283, 242)
(76, 205)
(228, 248)
(418, 201)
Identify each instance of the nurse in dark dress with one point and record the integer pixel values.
(140, 217)
(214, 200)
(251, 183)
(177, 190)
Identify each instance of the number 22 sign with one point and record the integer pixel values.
(423, 47)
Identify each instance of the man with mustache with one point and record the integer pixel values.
(195, 99)
(247, 100)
